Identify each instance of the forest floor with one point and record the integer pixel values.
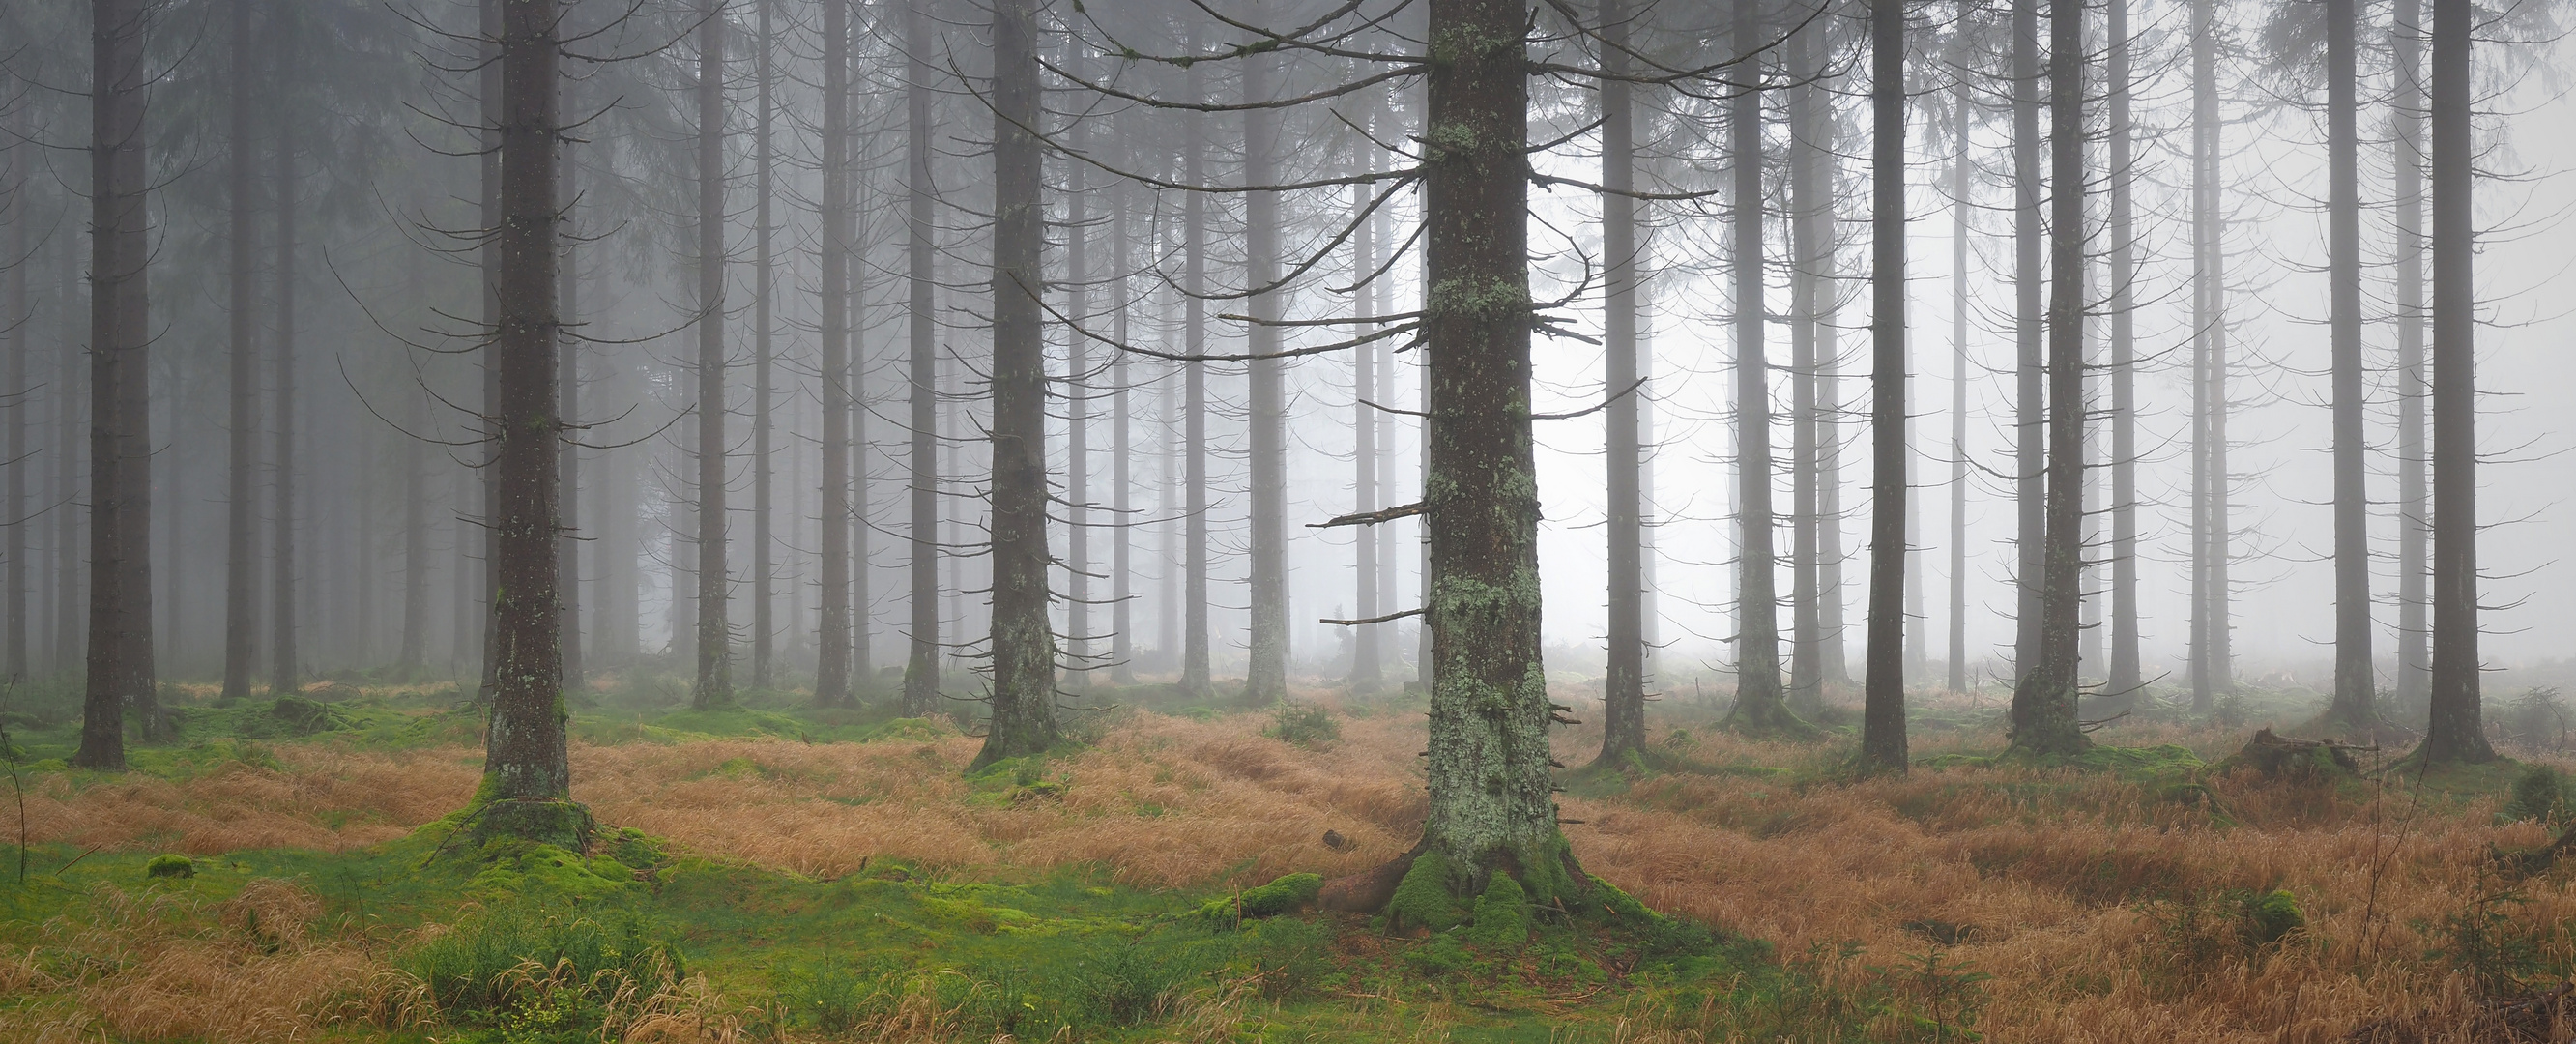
(771, 871)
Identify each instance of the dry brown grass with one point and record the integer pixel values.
(159, 966)
(2060, 884)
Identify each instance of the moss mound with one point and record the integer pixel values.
(1286, 894)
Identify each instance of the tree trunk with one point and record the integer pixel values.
(121, 677)
(921, 668)
(832, 665)
(526, 776)
(1194, 248)
(1023, 637)
(1368, 657)
(2354, 704)
(2122, 681)
(2457, 732)
(1811, 205)
(763, 620)
(491, 103)
(1761, 706)
(2414, 515)
(568, 452)
(2044, 700)
(1077, 398)
(284, 658)
(1959, 213)
(1492, 807)
(415, 480)
(241, 576)
(1623, 688)
(715, 630)
(2210, 484)
(1265, 678)
(1882, 743)
(20, 216)
(1122, 565)
(69, 636)
(2029, 437)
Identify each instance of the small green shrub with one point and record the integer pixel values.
(2540, 793)
(829, 994)
(2488, 941)
(170, 865)
(1304, 724)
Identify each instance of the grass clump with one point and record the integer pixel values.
(538, 974)
(170, 865)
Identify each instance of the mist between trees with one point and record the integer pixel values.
(988, 359)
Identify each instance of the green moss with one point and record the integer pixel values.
(170, 865)
(517, 869)
(2272, 916)
(1502, 915)
(1286, 894)
(1424, 899)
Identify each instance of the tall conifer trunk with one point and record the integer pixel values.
(1623, 693)
(832, 665)
(921, 666)
(2457, 732)
(764, 624)
(568, 452)
(2414, 514)
(1077, 398)
(121, 681)
(1194, 449)
(284, 657)
(1122, 565)
(526, 775)
(714, 623)
(1811, 206)
(1023, 637)
(1760, 702)
(2029, 435)
(2354, 704)
(241, 571)
(1492, 809)
(2122, 681)
(2044, 700)
(1957, 682)
(1882, 743)
(1265, 678)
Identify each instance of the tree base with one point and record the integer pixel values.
(1770, 720)
(564, 824)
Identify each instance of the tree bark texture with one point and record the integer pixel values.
(121, 677)
(524, 758)
(832, 665)
(2044, 700)
(1761, 704)
(1265, 678)
(241, 571)
(921, 665)
(2414, 512)
(715, 626)
(2122, 680)
(2354, 703)
(1492, 807)
(1023, 637)
(2029, 385)
(1623, 690)
(1882, 744)
(284, 657)
(2457, 732)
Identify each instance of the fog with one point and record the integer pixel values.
(349, 134)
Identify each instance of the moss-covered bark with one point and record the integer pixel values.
(1492, 799)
